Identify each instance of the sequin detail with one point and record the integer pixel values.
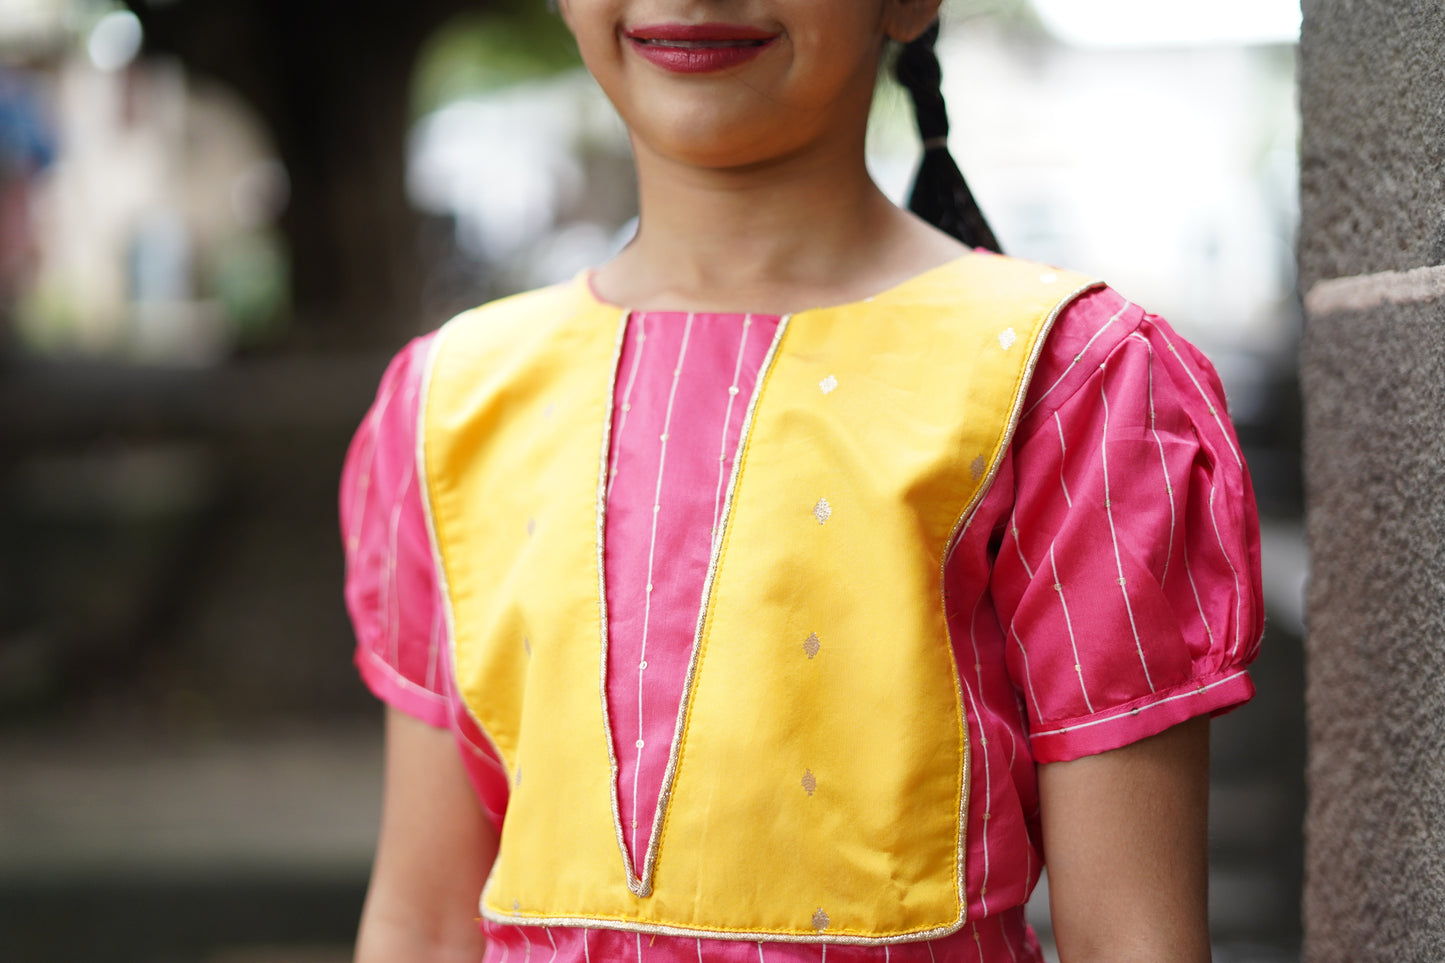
(812, 645)
(1008, 338)
(810, 782)
(822, 511)
(977, 467)
(828, 385)
(820, 920)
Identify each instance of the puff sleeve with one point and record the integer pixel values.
(392, 593)
(1127, 577)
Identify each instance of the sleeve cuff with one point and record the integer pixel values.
(400, 692)
(1068, 739)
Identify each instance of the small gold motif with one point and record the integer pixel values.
(977, 467)
(531, 526)
(820, 920)
(828, 385)
(812, 645)
(810, 782)
(822, 511)
(527, 644)
(1008, 338)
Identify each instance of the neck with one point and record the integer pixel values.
(797, 232)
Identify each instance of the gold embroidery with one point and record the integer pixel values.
(822, 511)
(812, 645)
(828, 385)
(820, 920)
(1008, 338)
(977, 468)
(810, 782)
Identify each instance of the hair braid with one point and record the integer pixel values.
(940, 195)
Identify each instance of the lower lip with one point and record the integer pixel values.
(697, 58)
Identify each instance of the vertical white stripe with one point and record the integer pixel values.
(1238, 600)
(1077, 358)
(1163, 463)
(760, 954)
(699, 951)
(528, 941)
(825, 953)
(733, 390)
(1014, 529)
(363, 484)
(391, 603)
(1028, 676)
(1114, 534)
(983, 742)
(978, 944)
(1198, 602)
(548, 931)
(639, 948)
(640, 341)
(1209, 402)
(1069, 624)
(987, 794)
(1008, 943)
(434, 647)
(651, 567)
(1063, 455)
(929, 944)
(586, 951)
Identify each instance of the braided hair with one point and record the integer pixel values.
(940, 195)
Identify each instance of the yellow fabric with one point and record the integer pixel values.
(929, 377)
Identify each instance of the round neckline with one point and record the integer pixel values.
(587, 277)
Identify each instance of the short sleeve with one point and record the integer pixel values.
(1127, 577)
(391, 585)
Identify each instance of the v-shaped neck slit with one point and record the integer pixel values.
(683, 378)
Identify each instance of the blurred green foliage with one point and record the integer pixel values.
(474, 53)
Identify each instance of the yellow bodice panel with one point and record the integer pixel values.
(818, 783)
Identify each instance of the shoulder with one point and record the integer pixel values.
(1103, 332)
(525, 315)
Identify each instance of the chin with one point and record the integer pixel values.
(714, 143)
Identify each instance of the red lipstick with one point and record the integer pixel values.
(698, 48)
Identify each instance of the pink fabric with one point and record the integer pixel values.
(674, 437)
(1106, 589)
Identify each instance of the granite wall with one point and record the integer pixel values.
(1372, 270)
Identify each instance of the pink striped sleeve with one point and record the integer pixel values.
(391, 587)
(1129, 569)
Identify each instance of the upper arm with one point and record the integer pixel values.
(1125, 838)
(435, 850)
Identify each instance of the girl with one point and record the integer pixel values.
(800, 607)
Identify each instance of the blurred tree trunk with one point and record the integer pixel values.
(332, 82)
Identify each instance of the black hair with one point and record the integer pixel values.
(940, 195)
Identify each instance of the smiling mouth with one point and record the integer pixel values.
(695, 44)
(699, 48)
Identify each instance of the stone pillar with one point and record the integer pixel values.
(1372, 269)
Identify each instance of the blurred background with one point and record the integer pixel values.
(219, 219)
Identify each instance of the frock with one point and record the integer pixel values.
(1108, 582)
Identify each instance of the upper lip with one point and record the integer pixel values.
(699, 32)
